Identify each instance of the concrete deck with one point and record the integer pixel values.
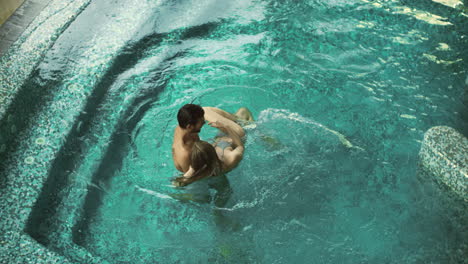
(7, 8)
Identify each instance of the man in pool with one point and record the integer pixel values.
(191, 119)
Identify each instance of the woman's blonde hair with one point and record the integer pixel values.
(204, 159)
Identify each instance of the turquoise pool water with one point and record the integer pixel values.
(342, 92)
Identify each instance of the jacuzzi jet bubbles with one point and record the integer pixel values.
(40, 141)
(29, 160)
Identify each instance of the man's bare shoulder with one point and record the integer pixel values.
(181, 151)
(181, 157)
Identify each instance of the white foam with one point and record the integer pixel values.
(189, 13)
(150, 192)
(272, 113)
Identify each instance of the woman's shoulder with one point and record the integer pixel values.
(232, 157)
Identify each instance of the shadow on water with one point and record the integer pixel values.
(230, 244)
(122, 139)
(41, 220)
(200, 30)
(112, 160)
(30, 99)
(444, 206)
(36, 92)
(18, 118)
(42, 223)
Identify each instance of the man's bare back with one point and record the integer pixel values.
(182, 148)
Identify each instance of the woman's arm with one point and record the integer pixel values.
(221, 112)
(213, 117)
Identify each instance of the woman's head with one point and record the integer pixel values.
(204, 159)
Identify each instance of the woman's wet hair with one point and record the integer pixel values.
(189, 114)
(204, 159)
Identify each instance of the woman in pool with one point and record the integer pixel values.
(224, 154)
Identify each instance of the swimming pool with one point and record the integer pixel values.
(342, 92)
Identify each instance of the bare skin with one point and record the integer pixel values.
(224, 121)
(185, 137)
(214, 115)
(231, 155)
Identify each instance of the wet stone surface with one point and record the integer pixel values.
(444, 155)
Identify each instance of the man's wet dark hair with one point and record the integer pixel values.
(189, 114)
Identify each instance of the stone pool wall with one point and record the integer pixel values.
(444, 156)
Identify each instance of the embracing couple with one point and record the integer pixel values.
(198, 159)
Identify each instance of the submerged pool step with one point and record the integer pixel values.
(36, 40)
(43, 146)
(57, 173)
(20, 98)
(92, 153)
